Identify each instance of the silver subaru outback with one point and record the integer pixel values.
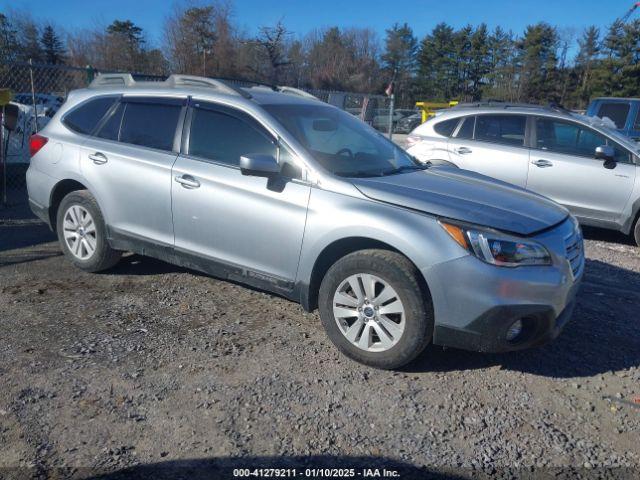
(275, 189)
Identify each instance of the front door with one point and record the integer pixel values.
(563, 168)
(220, 214)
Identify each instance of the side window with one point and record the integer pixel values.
(572, 139)
(225, 138)
(446, 128)
(504, 129)
(466, 130)
(616, 111)
(86, 117)
(111, 128)
(150, 124)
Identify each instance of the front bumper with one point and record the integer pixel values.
(476, 303)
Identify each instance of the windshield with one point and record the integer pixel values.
(341, 143)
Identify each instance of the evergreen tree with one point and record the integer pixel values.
(52, 47)
(8, 40)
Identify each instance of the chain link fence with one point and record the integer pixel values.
(39, 90)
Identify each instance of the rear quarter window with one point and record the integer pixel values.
(446, 127)
(86, 117)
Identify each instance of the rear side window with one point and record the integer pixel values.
(616, 111)
(466, 129)
(150, 124)
(86, 117)
(504, 129)
(225, 138)
(446, 128)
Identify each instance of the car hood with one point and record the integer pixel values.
(466, 196)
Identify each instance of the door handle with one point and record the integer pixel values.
(187, 181)
(98, 158)
(542, 163)
(463, 150)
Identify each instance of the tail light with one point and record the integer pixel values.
(36, 142)
(412, 140)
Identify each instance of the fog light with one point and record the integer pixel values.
(514, 331)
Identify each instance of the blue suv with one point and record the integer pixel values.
(624, 112)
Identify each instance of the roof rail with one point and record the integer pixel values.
(127, 80)
(296, 91)
(112, 79)
(195, 81)
(495, 104)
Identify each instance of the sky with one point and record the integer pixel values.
(301, 16)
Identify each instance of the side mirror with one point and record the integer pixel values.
(607, 154)
(259, 165)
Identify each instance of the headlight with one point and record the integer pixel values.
(497, 248)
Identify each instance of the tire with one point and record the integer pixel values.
(88, 235)
(387, 349)
(636, 232)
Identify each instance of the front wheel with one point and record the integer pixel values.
(636, 232)
(375, 310)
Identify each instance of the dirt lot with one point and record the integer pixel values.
(151, 369)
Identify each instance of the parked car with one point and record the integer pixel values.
(623, 112)
(381, 119)
(46, 104)
(294, 196)
(578, 161)
(409, 123)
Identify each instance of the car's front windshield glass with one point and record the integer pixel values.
(341, 143)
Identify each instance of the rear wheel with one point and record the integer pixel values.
(374, 309)
(636, 232)
(82, 233)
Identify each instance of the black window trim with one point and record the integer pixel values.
(461, 120)
(148, 99)
(525, 143)
(534, 139)
(63, 119)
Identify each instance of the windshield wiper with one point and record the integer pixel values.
(405, 168)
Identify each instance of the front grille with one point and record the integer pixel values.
(574, 246)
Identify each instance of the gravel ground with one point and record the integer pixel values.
(149, 369)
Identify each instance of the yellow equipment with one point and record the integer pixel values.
(429, 108)
(5, 96)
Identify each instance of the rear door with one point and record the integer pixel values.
(494, 145)
(128, 163)
(563, 168)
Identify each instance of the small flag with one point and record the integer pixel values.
(389, 89)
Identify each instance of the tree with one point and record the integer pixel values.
(271, 43)
(586, 63)
(436, 63)
(399, 58)
(539, 58)
(8, 40)
(189, 39)
(52, 47)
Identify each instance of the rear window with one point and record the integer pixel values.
(504, 129)
(150, 124)
(86, 117)
(446, 128)
(616, 111)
